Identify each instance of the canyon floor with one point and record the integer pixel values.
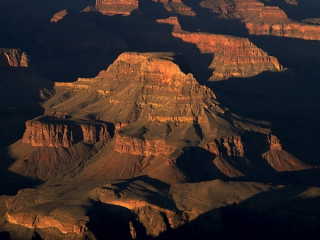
(157, 119)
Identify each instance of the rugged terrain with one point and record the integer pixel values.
(156, 119)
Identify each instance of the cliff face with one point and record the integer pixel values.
(143, 83)
(10, 57)
(260, 19)
(48, 131)
(235, 157)
(111, 7)
(232, 56)
(145, 148)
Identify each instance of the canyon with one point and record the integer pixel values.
(158, 119)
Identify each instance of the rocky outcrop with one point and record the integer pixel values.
(235, 157)
(145, 148)
(46, 131)
(11, 57)
(292, 30)
(58, 16)
(260, 19)
(232, 56)
(112, 7)
(35, 220)
(146, 201)
(144, 82)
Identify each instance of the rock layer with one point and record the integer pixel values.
(232, 56)
(46, 131)
(121, 7)
(145, 148)
(260, 19)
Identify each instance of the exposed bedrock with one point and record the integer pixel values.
(47, 131)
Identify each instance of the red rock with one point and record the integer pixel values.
(112, 7)
(11, 57)
(46, 131)
(260, 19)
(58, 16)
(232, 56)
(145, 148)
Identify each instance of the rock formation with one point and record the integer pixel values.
(58, 16)
(233, 57)
(46, 131)
(143, 82)
(111, 7)
(11, 57)
(145, 148)
(260, 19)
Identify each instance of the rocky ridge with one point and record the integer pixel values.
(233, 57)
(47, 131)
(260, 19)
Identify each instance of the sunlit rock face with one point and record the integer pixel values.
(123, 7)
(47, 131)
(260, 19)
(11, 57)
(233, 57)
(112, 7)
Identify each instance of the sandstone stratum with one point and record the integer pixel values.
(261, 19)
(159, 119)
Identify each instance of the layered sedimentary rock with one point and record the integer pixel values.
(34, 220)
(111, 7)
(46, 131)
(152, 87)
(232, 56)
(260, 19)
(146, 148)
(11, 57)
(162, 108)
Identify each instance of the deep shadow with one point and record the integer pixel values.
(196, 164)
(5, 236)
(289, 99)
(112, 222)
(11, 183)
(207, 21)
(266, 215)
(83, 44)
(154, 191)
